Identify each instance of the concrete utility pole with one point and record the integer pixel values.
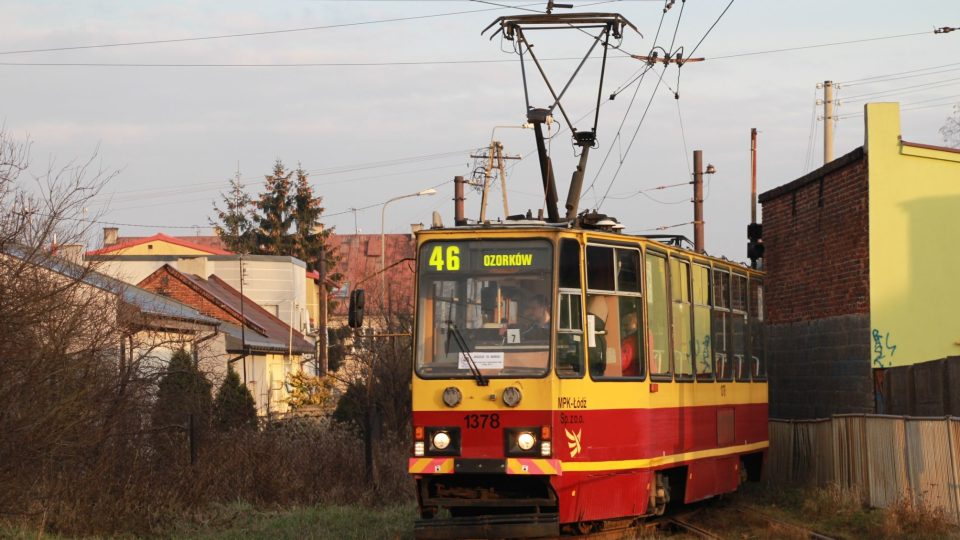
(753, 175)
(494, 157)
(827, 122)
(698, 201)
(323, 360)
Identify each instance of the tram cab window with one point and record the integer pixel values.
(758, 365)
(484, 305)
(570, 339)
(681, 313)
(738, 327)
(721, 325)
(702, 349)
(658, 311)
(615, 339)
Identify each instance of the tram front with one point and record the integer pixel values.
(482, 387)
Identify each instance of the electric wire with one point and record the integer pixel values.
(815, 46)
(880, 93)
(902, 75)
(707, 33)
(254, 34)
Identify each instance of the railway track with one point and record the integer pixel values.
(686, 524)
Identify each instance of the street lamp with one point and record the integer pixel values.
(383, 251)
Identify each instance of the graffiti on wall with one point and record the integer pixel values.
(882, 348)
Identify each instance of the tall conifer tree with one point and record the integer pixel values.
(275, 215)
(233, 224)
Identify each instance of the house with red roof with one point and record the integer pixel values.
(265, 350)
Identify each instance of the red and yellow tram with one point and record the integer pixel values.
(568, 376)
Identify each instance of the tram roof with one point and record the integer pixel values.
(529, 226)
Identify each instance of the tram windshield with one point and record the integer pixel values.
(484, 308)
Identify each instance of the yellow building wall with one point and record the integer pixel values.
(914, 209)
(267, 376)
(313, 302)
(159, 247)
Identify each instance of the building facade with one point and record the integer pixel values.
(860, 287)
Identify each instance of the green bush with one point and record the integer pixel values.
(234, 407)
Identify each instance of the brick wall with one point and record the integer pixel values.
(815, 230)
(163, 283)
(817, 244)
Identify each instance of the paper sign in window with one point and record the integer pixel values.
(483, 360)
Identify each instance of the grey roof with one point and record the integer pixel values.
(146, 301)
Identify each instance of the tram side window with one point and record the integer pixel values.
(702, 349)
(682, 332)
(758, 365)
(570, 339)
(721, 325)
(614, 313)
(738, 327)
(657, 311)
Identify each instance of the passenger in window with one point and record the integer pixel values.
(630, 346)
(536, 320)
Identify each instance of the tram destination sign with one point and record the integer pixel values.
(485, 256)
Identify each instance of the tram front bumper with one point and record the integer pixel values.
(450, 465)
(489, 526)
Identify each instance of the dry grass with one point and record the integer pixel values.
(300, 463)
(839, 512)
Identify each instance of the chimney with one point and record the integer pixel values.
(71, 252)
(415, 228)
(110, 236)
(193, 265)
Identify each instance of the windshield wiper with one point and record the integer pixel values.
(462, 344)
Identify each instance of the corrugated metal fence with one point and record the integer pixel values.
(882, 458)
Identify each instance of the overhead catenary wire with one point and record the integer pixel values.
(904, 89)
(254, 34)
(913, 73)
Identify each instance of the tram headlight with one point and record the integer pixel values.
(441, 440)
(512, 396)
(522, 441)
(418, 449)
(526, 440)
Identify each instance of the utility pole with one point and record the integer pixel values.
(323, 344)
(493, 155)
(753, 175)
(827, 122)
(754, 229)
(458, 198)
(698, 201)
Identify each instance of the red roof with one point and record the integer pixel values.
(359, 263)
(184, 241)
(360, 268)
(213, 289)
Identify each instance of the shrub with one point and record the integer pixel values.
(234, 407)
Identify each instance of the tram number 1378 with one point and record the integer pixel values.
(482, 421)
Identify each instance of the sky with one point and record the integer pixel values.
(398, 94)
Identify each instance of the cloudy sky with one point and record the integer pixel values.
(383, 98)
